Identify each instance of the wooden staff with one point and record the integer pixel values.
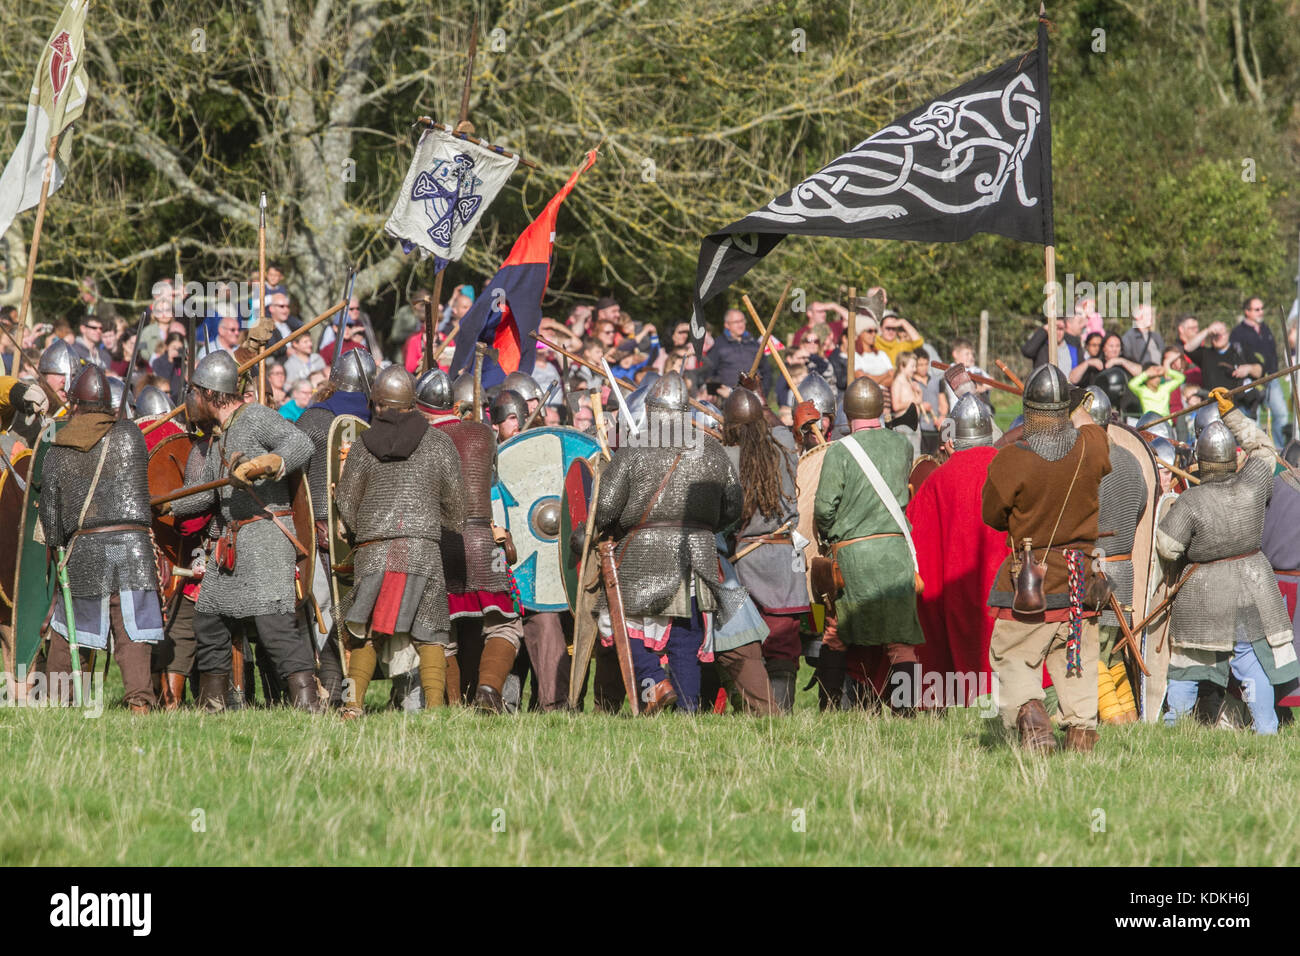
(785, 372)
(301, 330)
(627, 386)
(1002, 367)
(1168, 600)
(1175, 470)
(762, 343)
(1231, 393)
(1049, 262)
(851, 330)
(261, 289)
(428, 121)
(199, 489)
(1126, 634)
(992, 382)
(36, 239)
(455, 327)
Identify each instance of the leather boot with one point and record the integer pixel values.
(452, 680)
(172, 692)
(662, 696)
(139, 708)
(829, 677)
(302, 692)
(782, 690)
(488, 699)
(212, 691)
(498, 657)
(903, 689)
(1035, 728)
(1080, 739)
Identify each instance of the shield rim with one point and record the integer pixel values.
(333, 520)
(21, 464)
(571, 575)
(585, 631)
(504, 513)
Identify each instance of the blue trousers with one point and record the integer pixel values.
(1255, 690)
(1276, 402)
(684, 639)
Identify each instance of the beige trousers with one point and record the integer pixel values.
(1017, 653)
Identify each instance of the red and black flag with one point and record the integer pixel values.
(510, 306)
(976, 159)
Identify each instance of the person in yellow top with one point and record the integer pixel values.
(20, 398)
(897, 335)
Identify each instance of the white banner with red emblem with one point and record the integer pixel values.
(57, 98)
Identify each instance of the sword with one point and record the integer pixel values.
(622, 644)
(541, 406)
(625, 413)
(135, 354)
(72, 625)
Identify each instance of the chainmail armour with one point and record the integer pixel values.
(1123, 500)
(315, 422)
(468, 556)
(263, 579)
(701, 497)
(101, 564)
(1049, 435)
(1224, 519)
(403, 508)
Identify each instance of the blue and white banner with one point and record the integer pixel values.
(450, 183)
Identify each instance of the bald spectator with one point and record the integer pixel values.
(1142, 343)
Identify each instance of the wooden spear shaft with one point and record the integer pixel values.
(1233, 392)
(451, 335)
(626, 386)
(851, 330)
(762, 344)
(301, 330)
(780, 364)
(261, 289)
(1002, 366)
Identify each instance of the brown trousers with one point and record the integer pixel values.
(1017, 653)
(544, 639)
(744, 668)
(134, 660)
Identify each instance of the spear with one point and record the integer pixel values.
(780, 364)
(343, 317)
(1236, 391)
(767, 334)
(135, 354)
(626, 386)
(991, 382)
(270, 349)
(261, 289)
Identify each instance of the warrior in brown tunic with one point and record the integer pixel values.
(1043, 491)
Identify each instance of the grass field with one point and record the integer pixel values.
(458, 788)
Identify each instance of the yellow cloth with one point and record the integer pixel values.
(898, 346)
(7, 382)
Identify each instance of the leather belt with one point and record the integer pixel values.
(1291, 573)
(109, 528)
(1232, 557)
(1118, 557)
(280, 513)
(866, 537)
(480, 521)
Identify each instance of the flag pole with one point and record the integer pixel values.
(1049, 257)
(435, 303)
(36, 242)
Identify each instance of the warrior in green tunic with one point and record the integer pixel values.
(877, 609)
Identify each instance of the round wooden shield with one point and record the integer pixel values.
(11, 509)
(922, 468)
(531, 468)
(166, 474)
(576, 504)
